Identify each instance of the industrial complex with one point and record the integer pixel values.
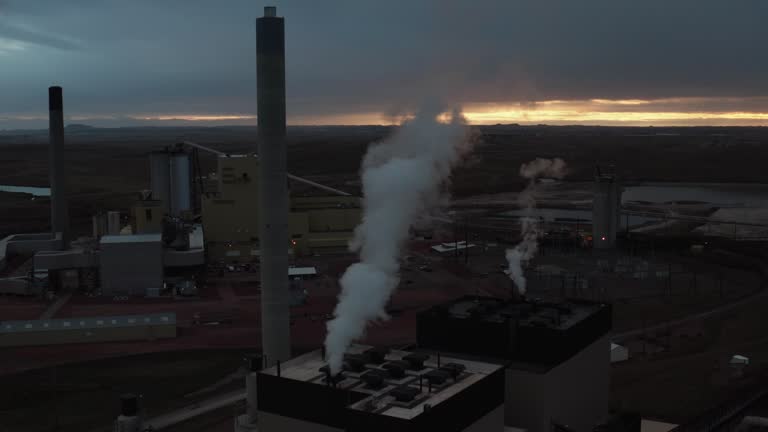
(199, 250)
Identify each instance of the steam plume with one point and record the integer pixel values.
(402, 179)
(527, 248)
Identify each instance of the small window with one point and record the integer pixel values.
(28, 326)
(66, 324)
(148, 214)
(99, 322)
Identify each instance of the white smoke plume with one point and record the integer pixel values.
(402, 181)
(529, 245)
(553, 168)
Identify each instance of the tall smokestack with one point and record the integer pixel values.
(273, 190)
(59, 210)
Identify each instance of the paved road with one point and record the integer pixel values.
(196, 409)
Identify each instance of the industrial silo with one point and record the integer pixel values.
(160, 177)
(181, 183)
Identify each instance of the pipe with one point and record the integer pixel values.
(273, 190)
(202, 147)
(290, 176)
(57, 175)
(318, 185)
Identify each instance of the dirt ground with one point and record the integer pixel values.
(85, 396)
(692, 375)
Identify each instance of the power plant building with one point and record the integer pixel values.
(381, 390)
(231, 215)
(148, 217)
(556, 355)
(87, 329)
(131, 264)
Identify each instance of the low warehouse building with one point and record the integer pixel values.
(90, 329)
(131, 264)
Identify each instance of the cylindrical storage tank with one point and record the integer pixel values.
(160, 177)
(181, 183)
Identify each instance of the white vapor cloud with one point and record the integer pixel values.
(528, 246)
(402, 181)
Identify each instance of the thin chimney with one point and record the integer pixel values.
(56, 166)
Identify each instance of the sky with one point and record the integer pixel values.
(174, 62)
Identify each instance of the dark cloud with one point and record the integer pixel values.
(8, 31)
(348, 56)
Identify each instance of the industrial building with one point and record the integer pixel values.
(538, 367)
(87, 329)
(381, 390)
(130, 259)
(147, 216)
(131, 264)
(231, 214)
(556, 355)
(127, 264)
(606, 207)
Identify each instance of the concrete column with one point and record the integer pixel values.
(273, 191)
(56, 166)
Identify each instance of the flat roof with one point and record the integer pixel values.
(452, 247)
(562, 315)
(306, 368)
(301, 271)
(84, 323)
(131, 238)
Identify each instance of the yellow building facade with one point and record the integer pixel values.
(147, 217)
(231, 216)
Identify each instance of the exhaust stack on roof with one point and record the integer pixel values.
(57, 176)
(273, 191)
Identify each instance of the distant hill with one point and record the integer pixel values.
(77, 127)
